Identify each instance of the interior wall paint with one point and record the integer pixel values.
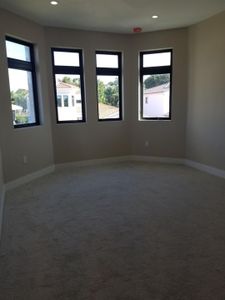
(1, 175)
(206, 93)
(2, 195)
(92, 139)
(105, 139)
(34, 142)
(166, 138)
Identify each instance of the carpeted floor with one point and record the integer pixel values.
(124, 231)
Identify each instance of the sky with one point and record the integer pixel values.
(107, 61)
(157, 59)
(20, 79)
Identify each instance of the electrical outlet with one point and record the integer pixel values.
(146, 143)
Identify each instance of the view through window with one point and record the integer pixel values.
(156, 72)
(68, 80)
(108, 71)
(22, 81)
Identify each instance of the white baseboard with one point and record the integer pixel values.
(2, 204)
(89, 162)
(98, 161)
(205, 168)
(168, 160)
(25, 179)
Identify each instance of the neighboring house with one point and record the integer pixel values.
(16, 110)
(156, 101)
(68, 101)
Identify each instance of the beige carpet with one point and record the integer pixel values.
(126, 231)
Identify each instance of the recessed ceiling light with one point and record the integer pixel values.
(54, 2)
(155, 17)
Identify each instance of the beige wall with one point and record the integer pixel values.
(2, 193)
(166, 138)
(103, 139)
(62, 143)
(1, 172)
(34, 142)
(206, 105)
(1, 177)
(92, 139)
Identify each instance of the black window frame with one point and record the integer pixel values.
(69, 70)
(29, 66)
(152, 71)
(110, 72)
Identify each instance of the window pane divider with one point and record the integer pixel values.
(156, 70)
(108, 71)
(19, 64)
(66, 70)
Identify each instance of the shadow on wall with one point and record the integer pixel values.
(1, 175)
(1, 194)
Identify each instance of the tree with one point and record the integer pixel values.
(69, 80)
(108, 93)
(112, 93)
(155, 80)
(101, 92)
(20, 98)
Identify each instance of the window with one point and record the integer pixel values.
(69, 85)
(59, 100)
(66, 101)
(156, 82)
(22, 82)
(108, 72)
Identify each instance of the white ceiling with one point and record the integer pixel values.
(116, 15)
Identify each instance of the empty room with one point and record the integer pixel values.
(112, 150)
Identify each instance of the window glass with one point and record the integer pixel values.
(68, 87)
(157, 59)
(22, 83)
(107, 61)
(17, 51)
(66, 58)
(22, 100)
(156, 93)
(108, 80)
(108, 97)
(155, 79)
